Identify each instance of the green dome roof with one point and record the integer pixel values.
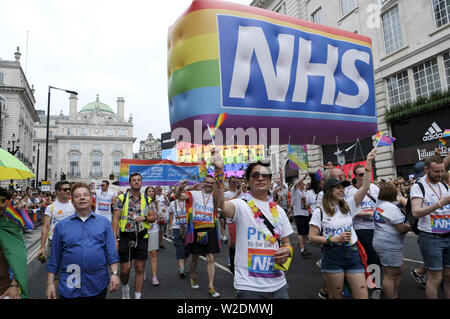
(93, 105)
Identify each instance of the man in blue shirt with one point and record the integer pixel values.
(82, 248)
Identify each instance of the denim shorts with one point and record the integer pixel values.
(339, 258)
(180, 249)
(435, 251)
(390, 255)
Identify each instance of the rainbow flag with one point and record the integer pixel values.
(28, 222)
(14, 215)
(220, 119)
(442, 141)
(19, 217)
(446, 133)
(383, 139)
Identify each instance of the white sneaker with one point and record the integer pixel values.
(125, 292)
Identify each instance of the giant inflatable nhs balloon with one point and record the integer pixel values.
(267, 70)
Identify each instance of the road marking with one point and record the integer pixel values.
(414, 261)
(32, 255)
(215, 263)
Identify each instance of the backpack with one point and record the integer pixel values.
(410, 219)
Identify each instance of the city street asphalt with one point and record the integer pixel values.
(303, 277)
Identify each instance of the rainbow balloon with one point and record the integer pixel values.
(267, 70)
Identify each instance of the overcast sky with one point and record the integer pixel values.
(108, 47)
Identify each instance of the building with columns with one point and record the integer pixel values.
(85, 145)
(410, 45)
(17, 113)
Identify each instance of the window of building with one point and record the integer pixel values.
(392, 30)
(123, 132)
(281, 8)
(83, 131)
(317, 16)
(398, 89)
(96, 164)
(96, 147)
(74, 146)
(109, 132)
(69, 131)
(73, 164)
(447, 67)
(426, 78)
(347, 6)
(50, 148)
(50, 134)
(2, 78)
(49, 159)
(116, 164)
(441, 9)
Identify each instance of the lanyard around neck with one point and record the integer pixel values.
(432, 188)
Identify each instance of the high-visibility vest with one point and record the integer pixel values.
(145, 201)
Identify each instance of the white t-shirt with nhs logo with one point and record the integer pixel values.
(367, 206)
(439, 220)
(254, 256)
(338, 223)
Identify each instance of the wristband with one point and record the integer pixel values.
(329, 239)
(14, 285)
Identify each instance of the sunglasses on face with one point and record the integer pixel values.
(259, 175)
(3, 200)
(65, 189)
(360, 174)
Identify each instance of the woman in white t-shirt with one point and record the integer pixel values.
(388, 238)
(259, 252)
(332, 226)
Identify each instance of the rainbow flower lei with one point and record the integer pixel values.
(266, 234)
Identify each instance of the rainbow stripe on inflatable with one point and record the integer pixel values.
(203, 52)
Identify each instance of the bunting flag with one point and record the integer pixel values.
(446, 133)
(442, 141)
(220, 119)
(383, 139)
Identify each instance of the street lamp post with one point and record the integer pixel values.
(37, 167)
(48, 123)
(2, 103)
(14, 140)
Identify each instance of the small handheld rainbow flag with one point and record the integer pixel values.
(220, 119)
(442, 141)
(21, 218)
(446, 133)
(383, 139)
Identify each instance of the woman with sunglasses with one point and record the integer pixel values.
(332, 226)
(363, 222)
(261, 253)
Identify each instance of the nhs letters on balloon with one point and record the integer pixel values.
(267, 70)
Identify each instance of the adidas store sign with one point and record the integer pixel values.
(433, 133)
